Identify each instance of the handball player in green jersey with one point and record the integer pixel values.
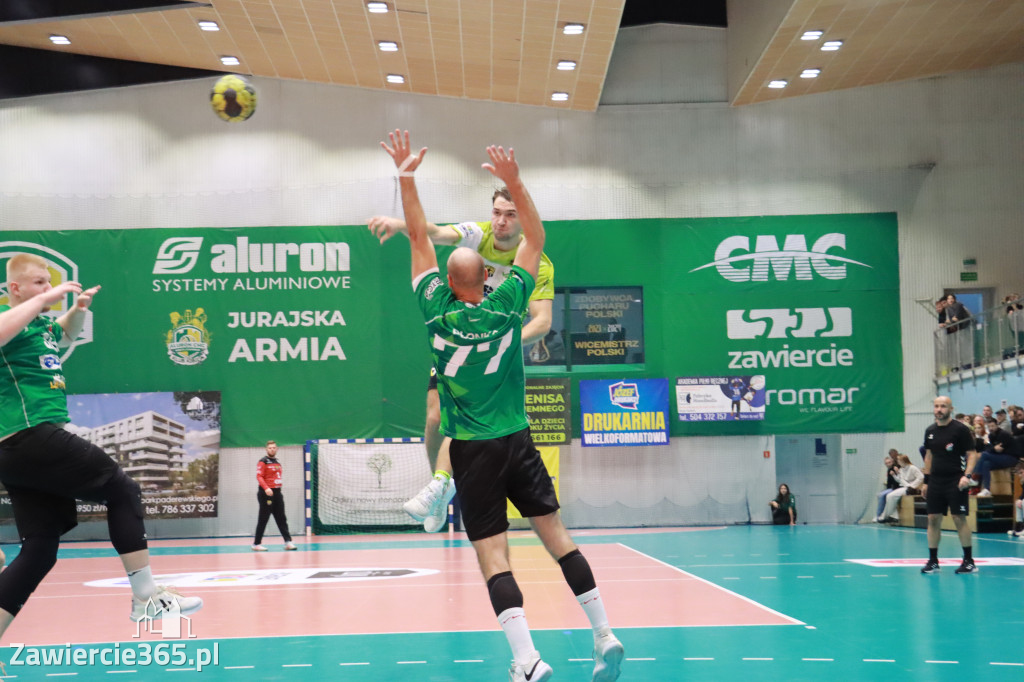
(46, 468)
(476, 342)
(497, 241)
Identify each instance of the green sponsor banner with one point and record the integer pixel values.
(288, 323)
(809, 304)
(549, 407)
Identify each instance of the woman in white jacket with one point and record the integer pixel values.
(911, 479)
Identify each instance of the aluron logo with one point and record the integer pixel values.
(789, 323)
(177, 255)
(768, 258)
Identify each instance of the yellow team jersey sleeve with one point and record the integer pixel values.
(478, 235)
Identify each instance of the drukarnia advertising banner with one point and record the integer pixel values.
(792, 324)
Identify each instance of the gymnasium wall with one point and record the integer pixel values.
(155, 156)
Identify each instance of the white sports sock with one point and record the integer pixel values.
(513, 622)
(593, 606)
(142, 583)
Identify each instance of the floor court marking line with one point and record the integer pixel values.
(879, 660)
(945, 662)
(359, 663)
(475, 660)
(1021, 665)
(632, 659)
(697, 658)
(792, 620)
(758, 659)
(296, 665)
(410, 662)
(825, 660)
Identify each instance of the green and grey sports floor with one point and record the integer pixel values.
(723, 603)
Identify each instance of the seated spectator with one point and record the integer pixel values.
(1003, 422)
(892, 482)
(1018, 507)
(784, 507)
(911, 480)
(1000, 452)
(980, 432)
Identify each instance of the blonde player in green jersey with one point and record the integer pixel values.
(497, 241)
(44, 467)
(476, 343)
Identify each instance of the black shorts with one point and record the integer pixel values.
(944, 494)
(432, 384)
(487, 472)
(45, 469)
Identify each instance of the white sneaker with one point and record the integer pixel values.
(421, 506)
(439, 515)
(259, 548)
(289, 546)
(535, 670)
(608, 654)
(985, 492)
(167, 601)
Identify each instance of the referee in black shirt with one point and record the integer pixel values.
(949, 459)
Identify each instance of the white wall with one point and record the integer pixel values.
(155, 156)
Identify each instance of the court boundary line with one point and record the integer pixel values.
(793, 621)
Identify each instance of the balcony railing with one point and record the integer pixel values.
(991, 337)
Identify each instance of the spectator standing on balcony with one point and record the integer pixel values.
(953, 315)
(269, 475)
(1000, 453)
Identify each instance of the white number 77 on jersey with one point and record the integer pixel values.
(462, 352)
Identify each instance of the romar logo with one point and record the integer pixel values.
(62, 269)
(736, 263)
(624, 395)
(789, 323)
(188, 341)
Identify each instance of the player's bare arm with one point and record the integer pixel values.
(18, 317)
(540, 321)
(504, 166)
(385, 227)
(71, 321)
(400, 151)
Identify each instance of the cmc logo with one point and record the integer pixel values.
(177, 255)
(793, 256)
(787, 323)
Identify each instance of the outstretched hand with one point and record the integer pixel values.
(57, 293)
(84, 299)
(401, 152)
(382, 227)
(502, 165)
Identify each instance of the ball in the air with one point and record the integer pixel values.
(233, 98)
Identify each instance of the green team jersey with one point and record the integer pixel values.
(477, 350)
(32, 387)
(498, 263)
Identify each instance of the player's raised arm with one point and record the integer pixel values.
(503, 165)
(423, 257)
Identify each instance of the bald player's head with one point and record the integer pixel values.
(466, 274)
(942, 408)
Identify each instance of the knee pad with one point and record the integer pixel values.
(504, 592)
(577, 573)
(20, 579)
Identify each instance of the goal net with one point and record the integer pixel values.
(358, 485)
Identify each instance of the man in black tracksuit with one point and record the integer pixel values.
(949, 460)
